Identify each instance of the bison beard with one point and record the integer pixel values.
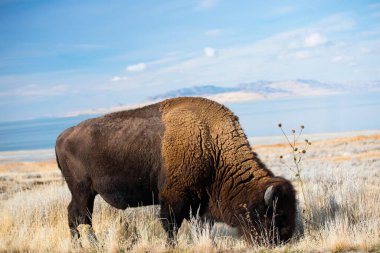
(188, 155)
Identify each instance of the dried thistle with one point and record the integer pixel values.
(297, 155)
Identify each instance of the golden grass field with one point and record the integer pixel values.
(342, 181)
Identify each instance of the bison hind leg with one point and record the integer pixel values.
(80, 210)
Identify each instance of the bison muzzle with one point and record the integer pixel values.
(190, 155)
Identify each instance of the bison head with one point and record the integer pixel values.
(271, 219)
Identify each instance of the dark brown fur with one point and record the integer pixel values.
(185, 154)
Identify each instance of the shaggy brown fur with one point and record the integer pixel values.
(183, 153)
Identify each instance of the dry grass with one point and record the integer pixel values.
(27, 166)
(21, 176)
(344, 198)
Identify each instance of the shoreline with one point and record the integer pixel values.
(279, 139)
(33, 155)
(42, 155)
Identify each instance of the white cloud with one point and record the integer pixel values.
(337, 59)
(136, 67)
(118, 78)
(282, 10)
(172, 58)
(365, 50)
(305, 39)
(295, 88)
(213, 32)
(301, 55)
(36, 91)
(315, 39)
(205, 4)
(209, 51)
(269, 58)
(375, 14)
(336, 23)
(374, 6)
(341, 58)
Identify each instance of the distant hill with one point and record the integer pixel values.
(267, 89)
(195, 91)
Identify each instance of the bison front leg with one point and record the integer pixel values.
(174, 209)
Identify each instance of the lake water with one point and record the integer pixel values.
(336, 113)
(327, 114)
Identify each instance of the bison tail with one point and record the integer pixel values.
(56, 158)
(59, 166)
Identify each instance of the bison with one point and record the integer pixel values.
(188, 155)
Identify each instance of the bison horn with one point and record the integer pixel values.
(268, 196)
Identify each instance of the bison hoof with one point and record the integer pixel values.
(87, 237)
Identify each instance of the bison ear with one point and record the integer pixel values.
(268, 196)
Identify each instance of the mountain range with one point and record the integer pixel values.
(251, 91)
(268, 90)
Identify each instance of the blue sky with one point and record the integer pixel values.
(62, 57)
